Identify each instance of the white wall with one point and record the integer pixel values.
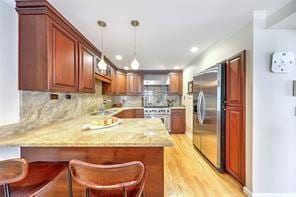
(274, 118)
(9, 95)
(241, 40)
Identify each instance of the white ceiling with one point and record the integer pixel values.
(169, 28)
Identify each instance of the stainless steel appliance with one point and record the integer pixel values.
(209, 114)
(156, 80)
(164, 113)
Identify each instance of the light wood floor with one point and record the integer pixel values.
(188, 174)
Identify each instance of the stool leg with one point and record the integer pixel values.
(69, 182)
(6, 190)
(87, 192)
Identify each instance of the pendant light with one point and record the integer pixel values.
(102, 64)
(135, 64)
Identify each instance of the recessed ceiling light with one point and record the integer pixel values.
(176, 67)
(194, 49)
(118, 57)
(126, 68)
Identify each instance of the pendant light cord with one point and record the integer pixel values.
(102, 40)
(135, 42)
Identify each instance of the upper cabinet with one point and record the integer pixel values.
(53, 54)
(135, 84)
(120, 83)
(175, 86)
(109, 87)
(87, 59)
(63, 53)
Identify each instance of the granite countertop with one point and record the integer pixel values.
(129, 133)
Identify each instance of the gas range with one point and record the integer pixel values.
(157, 110)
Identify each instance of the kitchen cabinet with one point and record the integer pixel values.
(135, 84)
(86, 72)
(178, 121)
(64, 50)
(235, 146)
(109, 88)
(131, 113)
(53, 54)
(235, 116)
(175, 86)
(120, 83)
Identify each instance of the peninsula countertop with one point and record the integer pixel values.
(69, 133)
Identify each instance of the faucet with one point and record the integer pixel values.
(102, 107)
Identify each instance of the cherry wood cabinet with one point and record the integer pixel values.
(64, 51)
(86, 72)
(131, 113)
(175, 86)
(53, 54)
(120, 83)
(235, 146)
(235, 116)
(109, 88)
(178, 121)
(135, 84)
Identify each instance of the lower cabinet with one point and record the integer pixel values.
(178, 121)
(131, 113)
(235, 143)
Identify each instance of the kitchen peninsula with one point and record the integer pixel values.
(133, 139)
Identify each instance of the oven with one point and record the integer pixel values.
(164, 114)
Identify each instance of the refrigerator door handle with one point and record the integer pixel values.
(203, 107)
(198, 108)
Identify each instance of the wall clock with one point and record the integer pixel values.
(282, 62)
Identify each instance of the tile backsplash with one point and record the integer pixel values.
(153, 96)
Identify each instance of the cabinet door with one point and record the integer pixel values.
(175, 86)
(131, 84)
(86, 72)
(235, 143)
(139, 84)
(178, 124)
(139, 113)
(235, 80)
(113, 81)
(64, 73)
(120, 83)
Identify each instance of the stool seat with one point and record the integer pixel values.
(39, 175)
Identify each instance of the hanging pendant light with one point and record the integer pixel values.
(102, 64)
(135, 64)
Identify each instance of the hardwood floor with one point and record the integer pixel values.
(188, 174)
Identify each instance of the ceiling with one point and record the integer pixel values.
(168, 29)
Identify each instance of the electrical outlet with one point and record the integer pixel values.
(54, 96)
(68, 96)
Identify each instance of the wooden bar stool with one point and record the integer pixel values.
(22, 179)
(126, 179)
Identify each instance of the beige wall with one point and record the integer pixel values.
(241, 40)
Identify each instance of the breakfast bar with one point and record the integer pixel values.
(131, 140)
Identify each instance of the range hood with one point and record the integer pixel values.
(156, 80)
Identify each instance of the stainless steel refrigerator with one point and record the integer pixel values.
(209, 114)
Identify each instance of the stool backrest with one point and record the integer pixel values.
(128, 177)
(13, 170)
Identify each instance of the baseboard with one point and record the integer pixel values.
(247, 192)
(250, 194)
(188, 134)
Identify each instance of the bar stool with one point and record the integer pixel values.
(126, 179)
(22, 179)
